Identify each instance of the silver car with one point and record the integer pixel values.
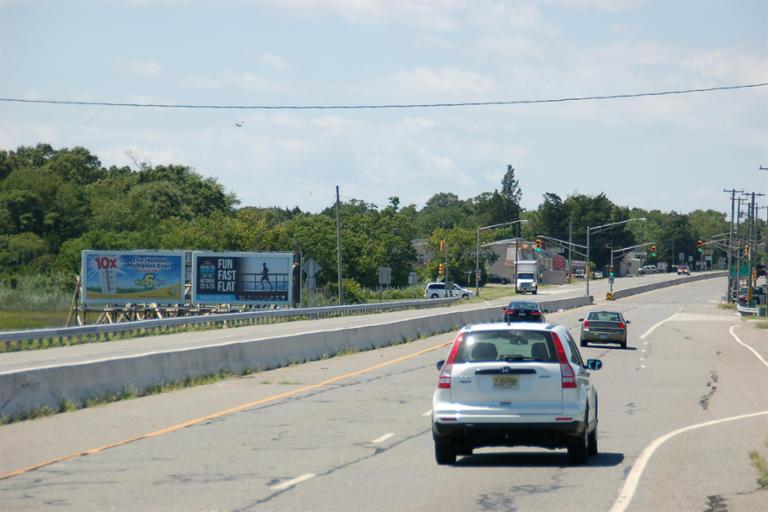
(514, 385)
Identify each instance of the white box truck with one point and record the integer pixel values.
(527, 277)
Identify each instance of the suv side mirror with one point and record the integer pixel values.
(581, 320)
(627, 322)
(594, 364)
(440, 364)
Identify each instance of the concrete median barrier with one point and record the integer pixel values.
(24, 391)
(620, 294)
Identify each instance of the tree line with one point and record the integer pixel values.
(54, 203)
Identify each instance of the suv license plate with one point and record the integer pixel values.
(505, 381)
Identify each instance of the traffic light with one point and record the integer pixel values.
(699, 245)
(538, 245)
(611, 272)
(441, 269)
(653, 251)
(746, 251)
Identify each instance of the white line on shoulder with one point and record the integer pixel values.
(292, 482)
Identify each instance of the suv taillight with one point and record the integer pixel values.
(622, 326)
(585, 324)
(567, 377)
(444, 380)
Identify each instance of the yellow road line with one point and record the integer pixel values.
(226, 412)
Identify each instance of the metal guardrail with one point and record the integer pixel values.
(236, 319)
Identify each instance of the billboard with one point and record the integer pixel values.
(257, 278)
(130, 277)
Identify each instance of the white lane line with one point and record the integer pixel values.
(292, 482)
(428, 413)
(383, 438)
(744, 344)
(630, 485)
(653, 327)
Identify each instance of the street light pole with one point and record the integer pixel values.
(477, 248)
(597, 229)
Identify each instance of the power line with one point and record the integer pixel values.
(382, 106)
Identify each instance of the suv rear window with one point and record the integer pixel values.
(507, 345)
(439, 286)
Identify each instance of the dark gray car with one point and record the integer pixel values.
(604, 327)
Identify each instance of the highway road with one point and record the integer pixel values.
(680, 409)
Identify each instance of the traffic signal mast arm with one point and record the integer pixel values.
(563, 243)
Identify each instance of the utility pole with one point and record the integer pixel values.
(338, 247)
(570, 247)
(729, 286)
(738, 247)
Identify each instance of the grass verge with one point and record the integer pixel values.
(20, 320)
(760, 463)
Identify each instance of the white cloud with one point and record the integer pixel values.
(245, 81)
(333, 124)
(449, 81)
(273, 60)
(513, 45)
(145, 68)
(595, 5)
(434, 15)
(418, 122)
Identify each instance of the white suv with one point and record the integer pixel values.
(437, 291)
(521, 384)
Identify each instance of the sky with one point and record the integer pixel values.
(675, 152)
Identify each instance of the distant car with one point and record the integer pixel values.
(648, 269)
(438, 291)
(519, 311)
(521, 384)
(495, 278)
(683, 269)
(604, 327)
(579, 273)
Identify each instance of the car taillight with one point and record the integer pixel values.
(535, 313)
(444, 380)
(510, 311)
(567, 377)
(585, 325)
(622, 326)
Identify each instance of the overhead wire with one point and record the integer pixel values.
(384, 106)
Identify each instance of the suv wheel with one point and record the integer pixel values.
(433, 296)
(592, 443)
(578, 448)
(582, 342)
(445, 452)
(465, 296)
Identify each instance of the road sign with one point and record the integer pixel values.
(609, 296)
(311, 268)
(477, 276)
(385, 275)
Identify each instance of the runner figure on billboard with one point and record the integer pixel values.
(265, 276)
